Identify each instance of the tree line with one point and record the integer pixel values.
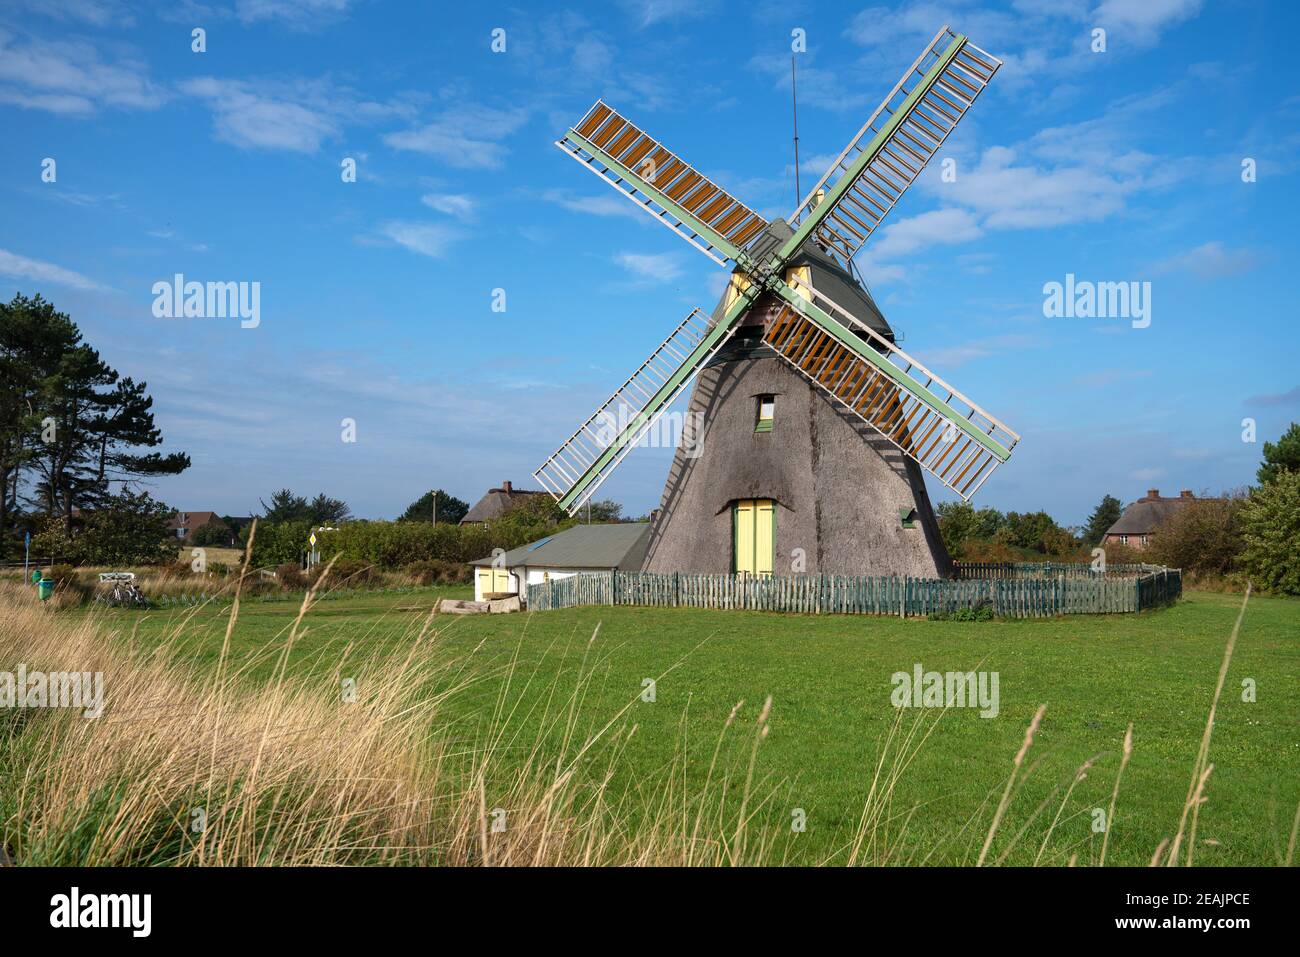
(1241, 534)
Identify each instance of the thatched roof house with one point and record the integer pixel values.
(495, 503)
(1140, 519)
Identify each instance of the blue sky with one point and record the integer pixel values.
(1123, 165)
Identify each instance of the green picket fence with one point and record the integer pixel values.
(1011, 597)
(1010, 570)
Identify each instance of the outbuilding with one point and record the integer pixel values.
(583, 548)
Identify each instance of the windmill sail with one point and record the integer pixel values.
(578, 467)
(927, 419)
(661, 183)
(889, 152)
(946, 433)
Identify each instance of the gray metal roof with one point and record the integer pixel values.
(620, 545)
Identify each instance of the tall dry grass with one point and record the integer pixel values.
(252, 763)
(191, 765)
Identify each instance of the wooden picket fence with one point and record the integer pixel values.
(1011, 597)
(1012, 570)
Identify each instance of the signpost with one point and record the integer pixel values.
(27, 551)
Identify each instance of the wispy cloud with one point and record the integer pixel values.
(427, 239)
(604, 204)
(247, 118)
(906, 236)
(453, 204)
(69, 77)
(649, 12)
(950, 357)
(1212, 260)
(1141, 22)
(99, 13)
(1290, 397)
(34, 270)
(299, 14)
(465, 137)
(297, 114)
(650, 267)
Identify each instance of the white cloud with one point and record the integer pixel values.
(467, 137)
(950, 357)
(300, 14)
(68, 77)
(1141, 22)
(427, 239)
(937, 227)
(20, 267)
(1012, 194)
(1212, 260)
(453, 204)
(650, 12)
(244, 116)
(100, 13)
(651, 267)
(604, 204)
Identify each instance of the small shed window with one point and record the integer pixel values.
(766, 410)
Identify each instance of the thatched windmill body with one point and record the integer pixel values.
(812, 425)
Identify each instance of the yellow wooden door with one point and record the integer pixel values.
(764, 536)
(493, 580)
(744, 523)
(754, 524)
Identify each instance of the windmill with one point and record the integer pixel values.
(814, 420)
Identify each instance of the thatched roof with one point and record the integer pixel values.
(496, 502)
(1142, 517)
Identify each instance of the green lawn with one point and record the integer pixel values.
(829, 678)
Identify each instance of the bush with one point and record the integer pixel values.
(350, 573)
(71, 584)
(278, 543)
(126, 529)
(291, 577)
(981, 612)
(435, 571)
(1202, 537)
(214, 534)
(1270, 532)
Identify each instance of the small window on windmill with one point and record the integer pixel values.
(907, 517)
(766, 410)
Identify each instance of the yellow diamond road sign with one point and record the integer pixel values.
(312, 539)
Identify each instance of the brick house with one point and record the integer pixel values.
(184, 524)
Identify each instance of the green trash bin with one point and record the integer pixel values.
(45, 588)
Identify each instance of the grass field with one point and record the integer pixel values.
(829, 680)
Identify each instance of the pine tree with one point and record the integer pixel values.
(1284, 456)
(1106, 514)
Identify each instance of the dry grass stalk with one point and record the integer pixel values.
(1006, 792)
